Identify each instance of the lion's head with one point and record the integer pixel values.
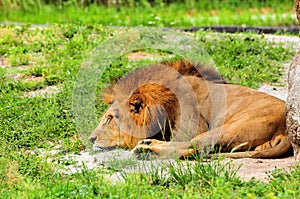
(137, 110)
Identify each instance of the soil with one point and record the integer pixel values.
(259, 169)
(49, 90)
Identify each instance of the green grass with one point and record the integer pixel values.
(53, 56)
(195, 180)
(190, 13)
(239, 60)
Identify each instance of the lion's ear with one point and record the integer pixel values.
(136, 103)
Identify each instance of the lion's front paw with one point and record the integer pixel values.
(151, 148)
(143, 152)
(145, 142)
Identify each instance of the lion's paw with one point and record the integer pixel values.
(143, 152)
(145, 142)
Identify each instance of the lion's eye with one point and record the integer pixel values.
(108, 119)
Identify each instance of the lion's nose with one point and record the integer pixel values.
(93, 139)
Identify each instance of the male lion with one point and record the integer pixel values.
(180, 108)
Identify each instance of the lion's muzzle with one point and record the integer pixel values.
(93, 139)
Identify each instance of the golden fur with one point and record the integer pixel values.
(187, 108)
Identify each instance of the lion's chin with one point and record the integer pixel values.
(103, 148)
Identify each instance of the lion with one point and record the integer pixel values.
(180, 109)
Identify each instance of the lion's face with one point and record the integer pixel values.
(143, 105)
(114, 128)
(131, 119)
(125, 123)
(107, 135)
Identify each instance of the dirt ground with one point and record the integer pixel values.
(259, 169)
(122, 161)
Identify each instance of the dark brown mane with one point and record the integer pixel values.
(184, 68)
(201, 70)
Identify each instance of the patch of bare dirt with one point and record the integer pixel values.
(34, 78)
(42, 92)
(142, 55)
(3, 63)
(15, 76)
(261, 169)
(288, 41)
(276, 91)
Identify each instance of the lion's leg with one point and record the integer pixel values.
(236, 138)
(270, 144)
(278, 150)
(231, 137)
(178, 149)
(162, 149)
(255, 143)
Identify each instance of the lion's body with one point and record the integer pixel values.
(169, 113)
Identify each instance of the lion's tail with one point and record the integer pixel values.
(279, 150)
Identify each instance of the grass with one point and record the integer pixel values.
(178, 14)
(198, 181)
(35, 58)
